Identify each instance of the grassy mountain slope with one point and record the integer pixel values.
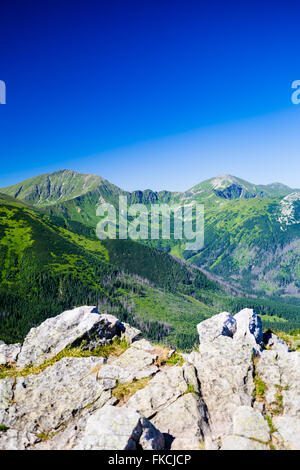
(47, 268)
(252, 232)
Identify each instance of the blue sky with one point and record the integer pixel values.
(159, 94)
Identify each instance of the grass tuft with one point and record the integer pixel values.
(123, 392)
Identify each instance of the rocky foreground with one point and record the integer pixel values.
(84, 380)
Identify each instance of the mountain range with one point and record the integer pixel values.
(252, 232)
(51, 259)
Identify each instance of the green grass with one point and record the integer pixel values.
(116, 348)
(50, 264)
(260, 388)
(123, 392)
(3, 428)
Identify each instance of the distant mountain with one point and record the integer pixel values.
(231, 187)
(57, 187)
(252, 232)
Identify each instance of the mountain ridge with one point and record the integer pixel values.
(252, 231)
(66, 172)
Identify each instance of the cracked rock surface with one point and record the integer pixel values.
(240, 390)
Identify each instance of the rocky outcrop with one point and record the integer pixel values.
(225, 371)
(249, 328)
(55, 334)
(112, 428)
(280, 372)
(219, 325)
(184, 422)
(240, 390)
(62, 391)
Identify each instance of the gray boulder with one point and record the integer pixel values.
(112, 428)
(43, 402)
(56, 333)
(222, 324)
(185, 418)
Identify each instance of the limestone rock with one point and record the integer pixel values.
(280, 371)
(225, 371)
(6, 397)
(207, 403)
(289, 429)
(112, 428)
(13, 439)
(9, 353)
(190, 376)
(151, 438)
(161, 391)
(187, 442)
(69, 435)
(249, 423)
(249, 328)
(6, 392)
(186, 417)
(144, 345)
(134, 363)
(233, 442)
(130, 333)
(275, 343)
(45, 401)
(54, 334)
(222, 324)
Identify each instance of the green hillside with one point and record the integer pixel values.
(46, 268)
(252, 249)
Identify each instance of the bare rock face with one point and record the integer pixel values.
(6, 397)
(209, 401)
(225, 371)
(130, 333)
(288, 429)
(112, 428)
(250, 424)
(249, 328)
(275, 343)
(133, 364)
(280, 372)
(83, 323)
(17, 440)
(43, 402)
(161, 391)
(222, 324)
(9, 353)
(186, 419)
(233, 442)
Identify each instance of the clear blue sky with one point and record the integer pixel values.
(150, 93)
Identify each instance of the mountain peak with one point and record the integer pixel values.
(221, 181)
